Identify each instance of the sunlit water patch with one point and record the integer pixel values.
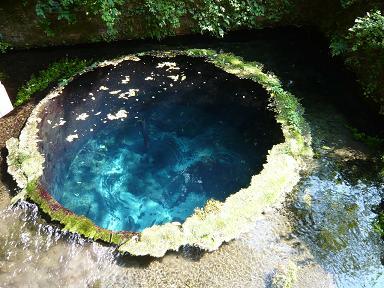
(146, 142)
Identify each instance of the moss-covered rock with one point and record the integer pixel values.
(217, 222)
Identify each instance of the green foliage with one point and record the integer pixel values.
(347, 3)
(371, 141)
(160, 18)
(378, 225)
(362, 46)
(368, 32)
(216, 17)
(4, 46)
(68, 10)
(338, 45)
(56, 72)
(366, 51)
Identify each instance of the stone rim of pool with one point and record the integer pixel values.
(208, 227)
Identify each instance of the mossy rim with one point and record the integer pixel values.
(208, 227)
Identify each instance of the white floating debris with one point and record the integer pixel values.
(82, 116)
(93, 98)
(49, 122)
(72, 137)
(103, 88)
(174, 77)
(130, 93)
(168, 65)
(98, 113)
(115, 92)
(183, 77)
(121, 114)
(61, 123)
(148, 78)
(90, 94)
(126, 80)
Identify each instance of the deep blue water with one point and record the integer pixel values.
(199, 138)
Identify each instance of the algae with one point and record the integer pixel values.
(285, 276)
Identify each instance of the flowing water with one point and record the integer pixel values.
(324, 227)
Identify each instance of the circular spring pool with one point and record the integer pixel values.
(146, 142)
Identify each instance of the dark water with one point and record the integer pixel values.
(147, 142)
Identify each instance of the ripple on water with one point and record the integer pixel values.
(334, 217)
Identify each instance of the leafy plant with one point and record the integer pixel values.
(338, 45)
(347, 3)
(68, 10)
(4, 46)
(362, 46)
(160, 18)
(368, 32)
(56, 72)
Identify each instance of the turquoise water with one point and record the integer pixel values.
(175, 148)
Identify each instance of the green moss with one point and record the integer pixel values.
(285, 277)
(72, 222)
(56, 72)
(329, 241)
